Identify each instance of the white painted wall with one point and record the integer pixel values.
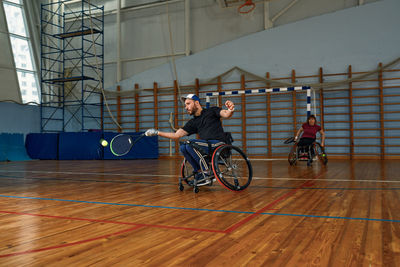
(18, 118)
(362, 36)
(145, 32)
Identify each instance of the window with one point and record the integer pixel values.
(22, 50)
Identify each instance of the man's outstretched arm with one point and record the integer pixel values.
(176, 135)
(227, 113)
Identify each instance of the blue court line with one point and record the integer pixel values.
(124, 204)
(199, 209)
(331, 217)
(358, 188)
(329, 188)
(156, 183)
(82, 180)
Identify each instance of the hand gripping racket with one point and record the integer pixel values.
(121, 144)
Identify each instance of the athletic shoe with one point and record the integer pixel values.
(199, 176)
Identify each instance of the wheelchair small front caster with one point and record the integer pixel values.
(195, 189)
(181, 187)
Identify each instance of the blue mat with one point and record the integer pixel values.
(83, 146)
(145, 148)
(12, 147)
(80, 146)
(42, 145)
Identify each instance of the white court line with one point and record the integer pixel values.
(90, 173)
(170, 175)
(327, 180)
(266, 159)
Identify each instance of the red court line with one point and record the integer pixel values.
(270, 205)
(137, 226)
(69, 244)
(114, 222)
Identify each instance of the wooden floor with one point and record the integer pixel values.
(131, 213)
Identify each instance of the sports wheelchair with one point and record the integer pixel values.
(311, 152)
(223, 162)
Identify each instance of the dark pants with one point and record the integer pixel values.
(194, 156)
(304, 144)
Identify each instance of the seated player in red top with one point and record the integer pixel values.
(310, 130)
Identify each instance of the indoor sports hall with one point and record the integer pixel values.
(199, 133)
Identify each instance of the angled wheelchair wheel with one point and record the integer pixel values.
(232, 168)
(320, 153)
(186, 173)
(292, 157)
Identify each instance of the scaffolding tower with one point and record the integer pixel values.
(72, 66)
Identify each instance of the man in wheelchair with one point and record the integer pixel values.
(207, 124)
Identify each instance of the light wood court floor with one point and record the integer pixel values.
(131, 213)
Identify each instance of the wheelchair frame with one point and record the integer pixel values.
(219, 165)
(319, 153)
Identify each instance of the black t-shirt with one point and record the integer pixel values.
(208, 125)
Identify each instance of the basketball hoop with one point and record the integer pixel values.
(247, 7)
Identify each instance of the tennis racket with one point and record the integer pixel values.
(289, 140)
(121, 144)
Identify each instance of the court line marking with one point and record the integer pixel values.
(282, 159)
(174, 184)
(196, 209)
(114, 222)
(333, 217)
(269, 205)
(170, 175)
(83, 180)
(229, 230)
(70, 244)
(124, 204)
(92, 173)
(327, 180)
(138, 226)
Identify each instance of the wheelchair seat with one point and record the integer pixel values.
(208, 148)
(205, 149)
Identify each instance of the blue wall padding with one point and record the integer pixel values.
(80, 146)
(76, 146)
(42, 145)
(12, 147)
(146, 148)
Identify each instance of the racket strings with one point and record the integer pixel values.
(121, 144)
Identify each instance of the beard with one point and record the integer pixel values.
(193, 111)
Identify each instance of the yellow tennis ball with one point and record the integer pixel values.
(103, 142)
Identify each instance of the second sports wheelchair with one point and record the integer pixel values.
(306, 153)
(223, 162)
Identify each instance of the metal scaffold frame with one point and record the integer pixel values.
(72, 67)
